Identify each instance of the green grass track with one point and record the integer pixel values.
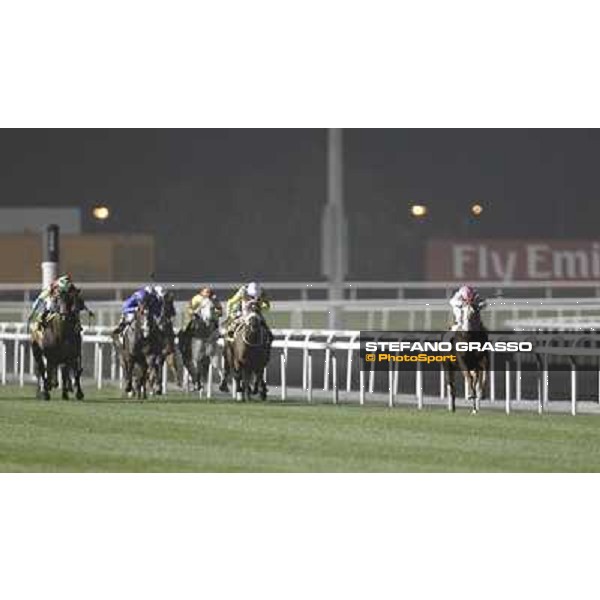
(183, 433)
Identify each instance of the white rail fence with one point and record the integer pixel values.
(404, 315)
(337, 354)
(353, 289)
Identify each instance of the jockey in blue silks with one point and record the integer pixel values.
(152, 295)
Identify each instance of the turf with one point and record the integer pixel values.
(107, 433)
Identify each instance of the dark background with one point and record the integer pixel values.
(239, 204)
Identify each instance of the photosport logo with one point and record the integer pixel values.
(382, 350)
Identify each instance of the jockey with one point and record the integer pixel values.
(237, 304)
(151, 294)
(198, 301)
(45, 303)
(463, 296)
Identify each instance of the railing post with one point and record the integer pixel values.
(100, 360)
(573, 387)
(3, 362)
(545, 381)
(419, 385)
(361, 384)
(309, 388)
(507, 386)
(518, 378)
(391, 384)
(22, 365)
(492, 377)
(209, 380)
(282, 364)
(334, 367)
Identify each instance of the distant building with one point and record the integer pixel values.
(34, 219)
(89, 257)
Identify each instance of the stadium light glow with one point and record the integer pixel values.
(418, 210)
(101, 213)
(476, 210)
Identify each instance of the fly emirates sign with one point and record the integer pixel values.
(508, 260)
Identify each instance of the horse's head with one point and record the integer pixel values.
(145, 319)
(209, 311)
(65, 305)
(471, 318)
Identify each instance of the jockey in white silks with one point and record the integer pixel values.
(465, 295)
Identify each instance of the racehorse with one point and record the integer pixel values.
(139, 347)
(247, 354)
(473, 364)
(58, 344)
(169, 349)
(199, 345)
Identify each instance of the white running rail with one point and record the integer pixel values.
(308, 346)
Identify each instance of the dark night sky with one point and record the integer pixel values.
(231, 204)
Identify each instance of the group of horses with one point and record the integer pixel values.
(149, 341)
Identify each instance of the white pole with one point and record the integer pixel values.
(518, 378)
(96, 351)
(326, 375)
(334, 367)
(349, 368)
(283, 374)
(31, 362)
(361, 383)
(22, 365)
(100, 361)
(442, 382)
(391, 385)
(209, 380)
(507, 386)
(545, 381)
(3, 363)
(309, 388)
(492, 378)
(164, 378)
(113, 364)
(372, 378)
(419, 385)
(334, 239)
(16, 359)
(573, 388)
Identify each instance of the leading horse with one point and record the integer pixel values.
(473, 364)
(56, 344)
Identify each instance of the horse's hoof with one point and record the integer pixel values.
(474, 411)
(224, 388)
(65, 396)
(80, 396)
(45, 396)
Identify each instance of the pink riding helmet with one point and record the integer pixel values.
(467, 293)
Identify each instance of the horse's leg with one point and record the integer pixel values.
(40, 371)
(226, 372)
(77, 376)
(65, 381)
(451, 384)
(470, 386)
(257, 381)
(263, 384)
